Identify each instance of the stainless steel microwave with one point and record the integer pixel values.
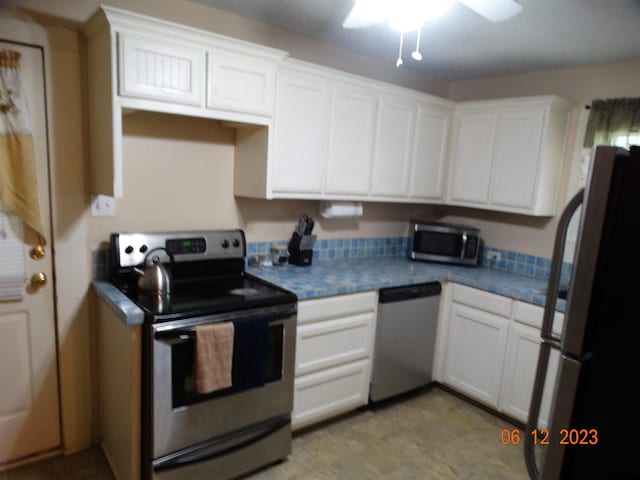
(442, 242)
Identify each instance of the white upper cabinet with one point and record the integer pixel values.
(338, 136)
(137, 62)
(300, 134)
(507, 154)
(430, 153)
(472, 157)
(393, 147)
(150, 67)
(351, 134)
(240, 83)
(517, 152)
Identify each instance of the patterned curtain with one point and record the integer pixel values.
(614, 121)
(18, 179)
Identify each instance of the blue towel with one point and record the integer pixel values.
(250, 340)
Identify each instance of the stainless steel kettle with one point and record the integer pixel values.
(155, 278)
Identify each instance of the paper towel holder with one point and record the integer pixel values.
(339, 209)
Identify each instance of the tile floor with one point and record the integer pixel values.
(429, 435)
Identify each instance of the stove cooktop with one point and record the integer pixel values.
(194, 299)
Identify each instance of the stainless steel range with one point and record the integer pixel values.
(232, 430)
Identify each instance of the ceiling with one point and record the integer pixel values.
(547, 34)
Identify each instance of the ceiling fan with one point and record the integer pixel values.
(409, 15)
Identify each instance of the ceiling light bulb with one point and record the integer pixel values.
(409, 15)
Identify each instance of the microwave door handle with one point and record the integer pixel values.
(464, 244)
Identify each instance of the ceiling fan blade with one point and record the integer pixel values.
(494, 10)
(360, 17)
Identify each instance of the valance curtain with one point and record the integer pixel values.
(612, 118)
(18, 179)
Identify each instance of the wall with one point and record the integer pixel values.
(178, 175)
(581, 85)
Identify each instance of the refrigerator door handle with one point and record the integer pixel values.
(548, 341)
(556, 265)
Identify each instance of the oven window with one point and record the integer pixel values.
(434, 243)
(183, 372)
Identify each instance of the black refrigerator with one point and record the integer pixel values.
(594, 430)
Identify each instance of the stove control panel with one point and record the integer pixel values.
(130, 249)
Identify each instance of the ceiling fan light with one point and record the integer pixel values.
(409, 15)
(374, 10)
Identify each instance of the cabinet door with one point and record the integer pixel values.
(427, 174)
(240, 83)
(472, 158)
(156, 69)
(521, 361)
(393, 148)
(301, 134)
(517, 157)
(350, 142)
(475, 353)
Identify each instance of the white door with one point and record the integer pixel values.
(301, 134)
(393, 148)
(352, 122)
(427, 174)
(29, 414)
(475, 352)
(472, 158)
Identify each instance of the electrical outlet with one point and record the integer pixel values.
(103, 206)
(494, 256)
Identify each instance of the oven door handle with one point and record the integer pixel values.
(213, 449)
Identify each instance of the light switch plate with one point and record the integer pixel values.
(103, 206)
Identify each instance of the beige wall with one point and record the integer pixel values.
(579, 85)
(178, 175)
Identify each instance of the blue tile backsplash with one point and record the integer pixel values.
(341, 248)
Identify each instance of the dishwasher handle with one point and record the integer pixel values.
(398, 294)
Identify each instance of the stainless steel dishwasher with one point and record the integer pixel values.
(405, 339)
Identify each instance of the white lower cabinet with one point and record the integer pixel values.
(334, 346)
(475, 352)
(489, 350)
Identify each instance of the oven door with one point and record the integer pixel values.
(181, 417)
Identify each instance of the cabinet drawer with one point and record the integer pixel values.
(339, 306)
(152, 68)
(333, 342)
(488, 302)
(532, 315)
(322, 395)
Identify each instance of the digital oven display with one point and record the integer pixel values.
(179, 246)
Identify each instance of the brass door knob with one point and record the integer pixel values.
(38, 280)
(37, 252)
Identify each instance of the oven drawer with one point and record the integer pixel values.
(334, 342)
(330, 392)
